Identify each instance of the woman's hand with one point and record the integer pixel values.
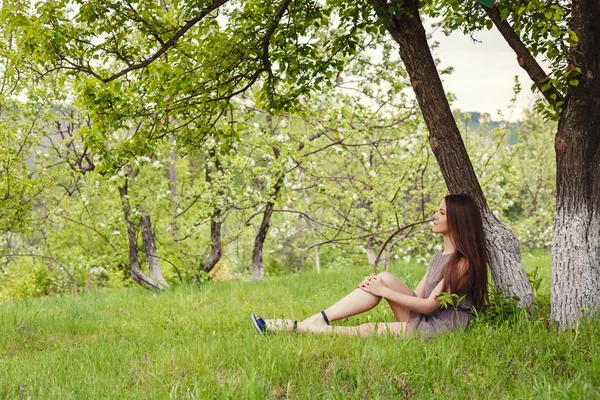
(374, 285)
(366, 280)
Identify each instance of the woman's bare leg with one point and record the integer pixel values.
(360, 301)
(364, 330)
(401, 313)
(354, 303)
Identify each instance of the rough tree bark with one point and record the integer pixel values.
(150, 250)
(576, 234)
(407, 30)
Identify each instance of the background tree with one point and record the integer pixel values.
(176, 70)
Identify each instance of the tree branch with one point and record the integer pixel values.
(525, 58)
(391, 237)
(164, 48)
(270, 31)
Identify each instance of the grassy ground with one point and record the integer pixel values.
(199, 343)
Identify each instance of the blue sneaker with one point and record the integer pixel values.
(259, 324)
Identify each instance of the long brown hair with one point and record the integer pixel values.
(466, 271)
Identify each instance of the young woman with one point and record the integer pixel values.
(460, 268)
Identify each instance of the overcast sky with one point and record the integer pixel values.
(483, 76)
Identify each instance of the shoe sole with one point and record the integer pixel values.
(253, 318)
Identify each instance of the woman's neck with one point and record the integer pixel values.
(448, 245)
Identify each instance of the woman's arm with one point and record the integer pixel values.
(424, 306)
(418, 304)
(420, 290)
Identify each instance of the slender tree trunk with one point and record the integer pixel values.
(216, 250)
(406, 28)
(312, 231)
(216, 247)
(576, 235)
(134, 263)
(317, 259)
(150, 250)
(172, 175)
(258, 270)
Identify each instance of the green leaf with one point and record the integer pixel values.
(487, 3)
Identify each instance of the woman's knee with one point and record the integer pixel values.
(387, 276)
(394, 283)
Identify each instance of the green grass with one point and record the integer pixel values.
(199, 343)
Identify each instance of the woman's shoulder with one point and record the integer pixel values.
(438, 260)
(441, 256)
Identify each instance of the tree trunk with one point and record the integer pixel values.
(406, 28)
(258, 270)
(576, 235)
(312, 230)
(172, 175)
(317, 258)
(216, 248)
(150, 250)
(134, 263)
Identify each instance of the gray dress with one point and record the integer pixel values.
(441, 320)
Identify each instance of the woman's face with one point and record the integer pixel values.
(440, 224)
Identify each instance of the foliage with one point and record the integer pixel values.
(368, 182)
(544, 27)
(309, 94)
